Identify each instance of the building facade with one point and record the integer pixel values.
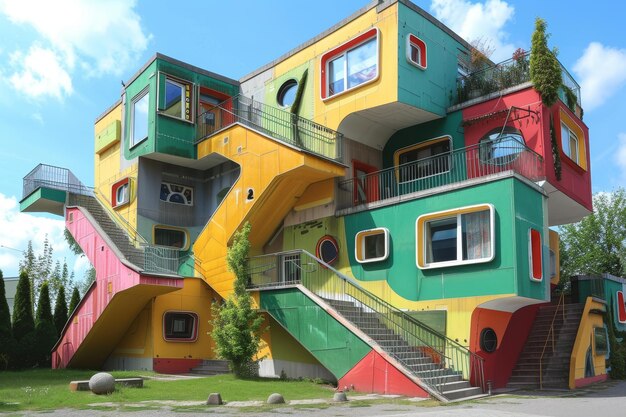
(400, 197)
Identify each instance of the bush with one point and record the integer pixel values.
(60, 311)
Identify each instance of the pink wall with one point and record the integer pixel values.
(112, 276)
(575, 182)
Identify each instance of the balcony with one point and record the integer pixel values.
(509, 74)
(278, 124)
(501, 155)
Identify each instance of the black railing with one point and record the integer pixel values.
(276, 123)
(498, 155)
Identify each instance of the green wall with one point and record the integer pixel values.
(148, 78)
(430, 89)
(306, 104)
(333, 345)
(516, 207)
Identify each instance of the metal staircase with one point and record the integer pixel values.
(448, 370)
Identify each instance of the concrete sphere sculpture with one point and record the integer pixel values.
(102, 383)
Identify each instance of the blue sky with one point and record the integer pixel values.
(61, 64)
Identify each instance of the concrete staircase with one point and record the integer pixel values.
(211, 367)
(118, 236)
(555, 366)
(448, 382)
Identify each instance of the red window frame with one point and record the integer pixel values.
(365, 190)
(421, 46)
(535, 253)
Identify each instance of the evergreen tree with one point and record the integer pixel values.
(60, 311)
(545, 70)
(23, 325)
(46, 334)
(236, 326)
(6, 336)
(74, 300)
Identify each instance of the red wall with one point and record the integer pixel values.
(512, 330)
(575, 182)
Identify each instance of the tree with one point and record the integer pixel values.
(545, 70)
(236, 326)
(60, 311)
(46, 334)
(37, 267)
(597, 244)
(23, 324)
(90, 277)
(6, 335)
(74, 300)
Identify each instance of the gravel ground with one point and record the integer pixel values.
(606, 400)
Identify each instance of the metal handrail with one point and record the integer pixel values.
(280, 124)
(300, 267)
(506, 74)
(49, 176)
(502, 154)
(550, 336)
(137, 238)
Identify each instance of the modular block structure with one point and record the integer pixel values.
(400, 203)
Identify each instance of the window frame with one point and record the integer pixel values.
(166, 227)
(486, 145)
(424, 144)
(187, 108)
(359, 244)
(282, 91)
(570, 133)
(421, 238)
(138, 97)
(191, 339)
(169, 184)
(535, 250)
(343, 50)
(414, 41)
(573, 128)
(115, 187)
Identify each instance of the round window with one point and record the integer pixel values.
(287, 93)
(488, 340)
(327, 249)
(501, 147)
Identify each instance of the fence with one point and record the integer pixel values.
(56, 178)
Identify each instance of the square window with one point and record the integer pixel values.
(416, 51)
(372, 245)
(139, 118)
(180, 326)
(350, 65)
(455, 237)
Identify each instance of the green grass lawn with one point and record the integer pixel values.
(43, 389)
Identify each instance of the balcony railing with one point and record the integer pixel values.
(279, 124)
(507, 74)
(495, 156)
(55, 178)
(300, 267)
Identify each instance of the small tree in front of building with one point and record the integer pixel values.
(6, 335)
(74, 301)
(45, 332)
(60, 311)
(236, 326)
(23, 325)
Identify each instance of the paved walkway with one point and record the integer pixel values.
(603, 400)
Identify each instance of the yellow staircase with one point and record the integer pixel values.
(273, 177)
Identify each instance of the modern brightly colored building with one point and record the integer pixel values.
(400, 198)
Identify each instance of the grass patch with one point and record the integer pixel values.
(44, 389)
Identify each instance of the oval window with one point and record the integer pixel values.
(327, 249)
(488, 340)
(287, 93)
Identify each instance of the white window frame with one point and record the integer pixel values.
(410, 44)
(571, 133)
(422, 238)
(125, 188)
(143, 93)
(368, 232)
(330, 56)
(182, 99)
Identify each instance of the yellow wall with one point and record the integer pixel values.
(584, 339)
(137, 342)
(195, 297)
(332, 111)
(108, 172)
(554, 246)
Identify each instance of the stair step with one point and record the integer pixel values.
(462, 393)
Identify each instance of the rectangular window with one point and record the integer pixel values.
(120, 193)
(371, 245)
(569, 142)
(171, 237)
(423, 160)
(139, 118)
(416, 51)
(180, 326)
(455, 237)
(174, 99)
(350, 65)
(535, 253)
(601, 340)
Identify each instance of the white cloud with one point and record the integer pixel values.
(478, 21)
(16, 229)
(91, 36)
(600, 71)
(620, 155)
(40, 73)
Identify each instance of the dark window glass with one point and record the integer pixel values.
(180, 326)
(442, 240)
(428, 160)
(170, 237)
(327, 249)
(374, 246)
(488, 340)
